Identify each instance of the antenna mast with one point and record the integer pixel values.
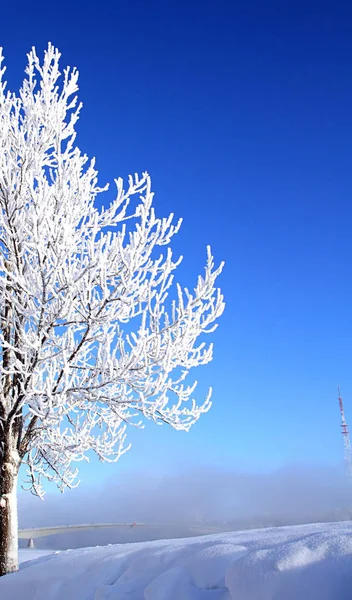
(346, 438)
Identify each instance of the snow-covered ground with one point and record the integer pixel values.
(308, 562)
(25, 554)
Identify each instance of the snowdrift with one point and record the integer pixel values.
(307, 562)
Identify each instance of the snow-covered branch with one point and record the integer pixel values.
(94, 337)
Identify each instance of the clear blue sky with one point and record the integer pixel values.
(242, 113)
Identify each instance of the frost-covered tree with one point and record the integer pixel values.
(93, 336)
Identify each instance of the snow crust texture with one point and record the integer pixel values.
(289, 563)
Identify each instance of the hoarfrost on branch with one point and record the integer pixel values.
(91, 338)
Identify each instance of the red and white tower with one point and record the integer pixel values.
(346, 438)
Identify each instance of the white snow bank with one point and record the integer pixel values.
(307, 562)
(26, 554)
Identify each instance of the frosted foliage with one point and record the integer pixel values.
(91, 341)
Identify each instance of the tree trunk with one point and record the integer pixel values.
(8, 514)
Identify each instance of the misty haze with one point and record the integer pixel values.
(171, 505)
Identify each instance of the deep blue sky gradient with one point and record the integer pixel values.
(241, 112)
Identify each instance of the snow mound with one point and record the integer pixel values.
(287, 563)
